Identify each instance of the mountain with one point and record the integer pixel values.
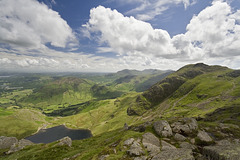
(171, 85)
(134, 80)
(66, 95)
(199, 104)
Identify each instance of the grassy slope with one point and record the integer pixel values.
(201, 96)
(87, 149)
(103, 116)
(20, 122)
(198, 96)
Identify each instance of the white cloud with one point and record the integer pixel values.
(28, 23)
(212, 37)
(127, 35)
(149, 9)
(216, 30)
(212, 34)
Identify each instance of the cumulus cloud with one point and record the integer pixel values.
(127, 35)
(214, 32)
(28, 23)
(149, 9)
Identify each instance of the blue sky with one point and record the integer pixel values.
(111, 35)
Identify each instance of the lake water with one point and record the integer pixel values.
(53, 134)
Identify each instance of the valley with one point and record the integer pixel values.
(116, 107)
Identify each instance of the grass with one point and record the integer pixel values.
(102, 116)
(11, 97)
(87, 149)
(20, 122)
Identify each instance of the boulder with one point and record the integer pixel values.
(135, 149)
(167, 146)
(19, 146)
(7, 142)
(179, 137)
(150, 139)
(229, 152)
(140, 128)
(204, 137)
(128, 142)
(224, 143)
(176, 154)
(151, 143)
(125, 127)
(192, 123)
(141, 158)
(103, 157)
(185, 126)
(162, 128)
(187, 145)
(65, 141)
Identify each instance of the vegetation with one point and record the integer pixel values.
(104, 103)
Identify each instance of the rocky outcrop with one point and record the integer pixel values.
(162, 128)
(187, 145)
(128, 142)
(19, 146)
(185, 126)
(149, 138)
(166, 146)
(222, 152)
(158, 92)
(151, 143)
(141, 158)
(176, 154)
(65, 141)
(135, 149)
(203, 137)
(179, 137)
(7, 142)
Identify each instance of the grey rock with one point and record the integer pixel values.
(236, 141)
(65, 141)
(125, 127)
(224, 143)
(187, 145)
(103, 157)
(151, 143)
(7, 142)
(128, 142)
(192, 141)
(150, 138)
(19, 146)
(230, 152)
(162, 128)
(204, 137)
(167, 146)
(185, 126)
(135, 149)
(179, 137)
(177, 154)
(182, 129)
(192, 123)
(141, 158)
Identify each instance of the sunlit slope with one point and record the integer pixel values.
(65, 92)
(193, 91)
(20, 122)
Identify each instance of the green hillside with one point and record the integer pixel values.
(210, 94)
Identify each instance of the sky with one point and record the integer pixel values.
(111, 35)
